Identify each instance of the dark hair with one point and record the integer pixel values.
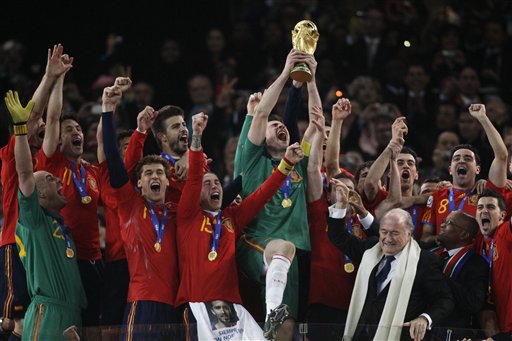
(465, 146)
(469, 224)
(342, 175)
(366, 164)
(163, 114)
(70, 115)
(493, 194)
(150, 159)
(431, 180)
(124, 134)
(409, 150)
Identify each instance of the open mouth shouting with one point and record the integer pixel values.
(215, 196)
(76, 141)
(281, 134)
(462, 170)
(406, 175)
(155, 187)
(486, 223)
(184, 138)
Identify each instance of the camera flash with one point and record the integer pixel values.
(339, 93)
(407, 43)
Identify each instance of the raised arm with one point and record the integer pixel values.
(51, 136)
(55, 67)
(498, 170)
(376, 171)
(117, 171)
(340, 111)
(313, 98)
(395, 191)
(291, 110)
(22, 154)
(123, 83)
(269, 99)
(315, 182)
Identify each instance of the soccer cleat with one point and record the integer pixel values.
(275, 318)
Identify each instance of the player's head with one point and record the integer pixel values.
(277, 137)
(153, 178)
(346, 179)
(71, 137)
(490, 211)
(49, 189)
(464, 165)
(123, 138)
(211, 192)
(407, 162)
(170, 130)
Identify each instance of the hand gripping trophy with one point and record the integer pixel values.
(304, 38)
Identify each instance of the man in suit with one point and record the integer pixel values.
(397, 285)
(466, 270)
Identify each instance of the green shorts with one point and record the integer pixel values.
(249, 256)
(47, 318)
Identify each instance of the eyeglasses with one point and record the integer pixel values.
(451, 222)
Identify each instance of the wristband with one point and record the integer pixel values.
(306, 147)
(285, 166)
(20, 128)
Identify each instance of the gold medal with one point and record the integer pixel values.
(212, 255)
(69, 252)
(349, 267)
(158, 247)
(287, 202)
(86, 199)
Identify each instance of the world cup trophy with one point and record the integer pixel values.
(304, 38)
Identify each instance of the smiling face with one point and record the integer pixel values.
(211, 193)
(463, 168)
(489, 215)
(153, 182)
(394, 233)
(175, 139)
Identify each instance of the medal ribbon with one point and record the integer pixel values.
(461, 204)
(63, 228)
(287, 185)
(159, 226)
(349, 230)
(169, 158)
(414, 216)
(80, 184)
(488, 259)
(457, 261)
(216, 232)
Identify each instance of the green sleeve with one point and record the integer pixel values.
(242, 139)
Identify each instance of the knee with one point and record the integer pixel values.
(280, 247)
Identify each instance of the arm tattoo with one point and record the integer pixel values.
(196, 142)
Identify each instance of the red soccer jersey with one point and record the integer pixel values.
(114, 245)
(379, 197)
(202, 280)
(10, 192)
(330, 284)
(439, 205)
(153, 275)
(501, 272)
(81, 218)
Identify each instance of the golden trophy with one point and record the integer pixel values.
(304, 38)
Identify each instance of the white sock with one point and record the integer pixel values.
(276, 281)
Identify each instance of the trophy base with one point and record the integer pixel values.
(301, 73)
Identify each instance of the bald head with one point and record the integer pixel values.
(49, 189)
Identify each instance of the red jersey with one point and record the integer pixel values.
(330, 284)
(501, 272)
(114, 245)
(153, 275)
(81, 218)
(439, 205)
(10, 192)
(379, 197)
(202, 280)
